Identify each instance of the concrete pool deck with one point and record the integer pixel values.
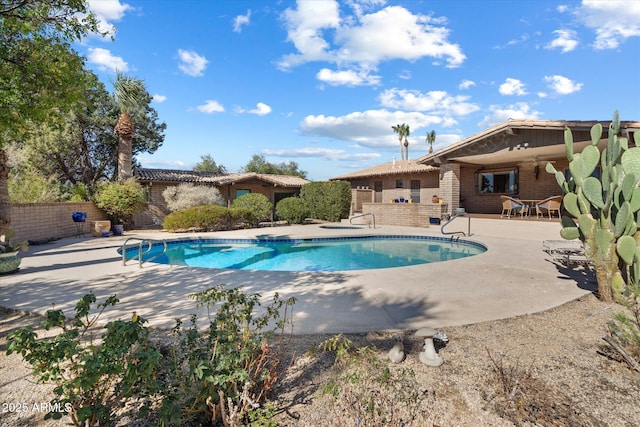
(514, 277)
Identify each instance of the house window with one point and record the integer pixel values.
(399, 183)
(500, 181)
(241, 192)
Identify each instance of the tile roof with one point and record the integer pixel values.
(391, 168)
(179, 176)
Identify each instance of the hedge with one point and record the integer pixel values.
(328, 200)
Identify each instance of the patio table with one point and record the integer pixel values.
(531, 204)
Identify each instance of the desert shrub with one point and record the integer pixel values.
(294, 210)
(257, 204)
(366, 390)
(329, 201)
(33, 188)
(206, 218)
(225, 372)
(78, 192)
(199, 218)
(91, 380)
(121, 201)
(186, 195)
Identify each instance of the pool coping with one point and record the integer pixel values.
(513, 277)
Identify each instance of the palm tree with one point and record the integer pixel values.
(407, 132)
(399, 129)
(130, 95)
(431, 138)
(402, 131)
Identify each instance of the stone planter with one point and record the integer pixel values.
(9, 262)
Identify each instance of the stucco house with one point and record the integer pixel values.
(230, 185)
(506, 159)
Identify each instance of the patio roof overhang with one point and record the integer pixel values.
(500, 145)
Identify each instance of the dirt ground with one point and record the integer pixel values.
(544, 369)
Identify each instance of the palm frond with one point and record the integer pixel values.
(130, 93)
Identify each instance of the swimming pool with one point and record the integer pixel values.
(317, 254)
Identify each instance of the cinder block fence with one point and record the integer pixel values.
(42, 221)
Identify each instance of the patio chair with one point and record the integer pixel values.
(511, 205)
(548, 206)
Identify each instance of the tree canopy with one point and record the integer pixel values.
(207, 164)
(84, 150)
(259, 164)
(39, 72)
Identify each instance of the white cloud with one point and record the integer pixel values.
(106, 61)
(324, 153)
(348, 77)
(365, 39)
(566, 41)
(210, 107)
(107, 11)
(261, 109)
(512, 87)
(562, 85)
(466, 84)
(405, 75)
(304, 28)
(241, 20)
(434, 101)
(520, 110)
(191, 63)
(613, 21)
(159, 98)
(371, 128)
(395, 33)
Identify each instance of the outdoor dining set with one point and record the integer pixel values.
(523, 207)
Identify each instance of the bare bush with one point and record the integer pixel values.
(185, 196)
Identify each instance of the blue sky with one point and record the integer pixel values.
(321, 82)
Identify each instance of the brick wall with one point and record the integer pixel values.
(41, 221)
(405, 214)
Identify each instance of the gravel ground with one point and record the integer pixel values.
(546, 369)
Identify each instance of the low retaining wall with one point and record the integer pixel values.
(42, 221)
(405, 214)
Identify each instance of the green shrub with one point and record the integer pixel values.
(186, 195)
(329, 200)
(92, 380)
(199, 218)
(257, 204)
(294, 210)
(224, 373)
(33, 188)
(121, 201)
(206, 218)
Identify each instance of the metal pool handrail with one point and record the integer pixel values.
(142, 243)
(364, 214)
(457, 232)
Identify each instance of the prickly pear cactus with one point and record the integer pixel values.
(604, 212)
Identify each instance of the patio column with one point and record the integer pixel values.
(450, 185)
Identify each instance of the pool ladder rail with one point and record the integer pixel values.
(144, 247)
(364, 214)
(455, 235)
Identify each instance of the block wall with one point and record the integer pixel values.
(42, 221)
(404, 214)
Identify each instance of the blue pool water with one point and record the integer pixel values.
(319, 254)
